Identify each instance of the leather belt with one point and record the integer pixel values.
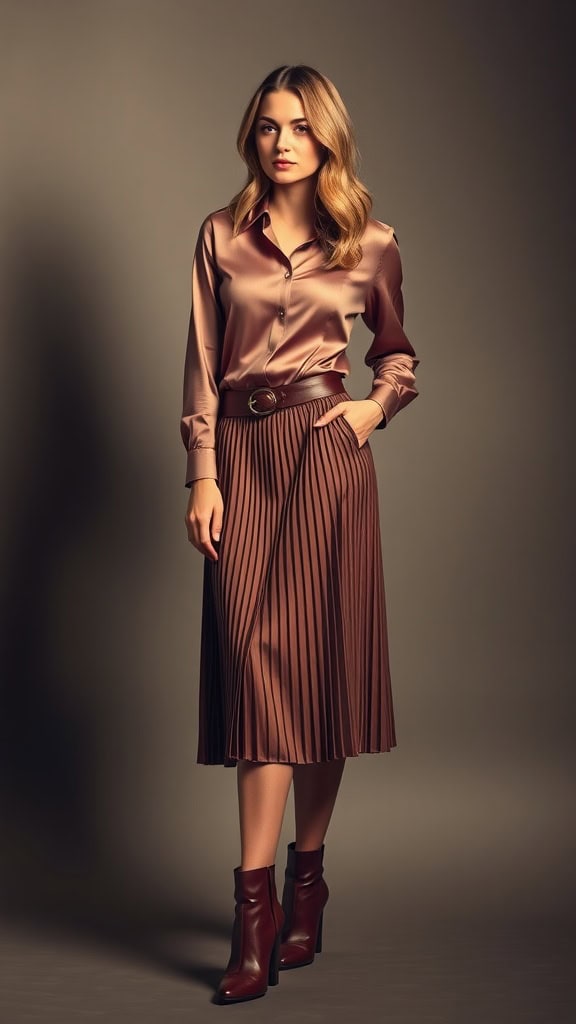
(263, 400)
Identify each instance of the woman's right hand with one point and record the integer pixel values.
(204, 515)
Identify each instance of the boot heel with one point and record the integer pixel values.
(273, 969)
(319, 936)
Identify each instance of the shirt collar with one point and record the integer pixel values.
(261, 210)
(255, 213)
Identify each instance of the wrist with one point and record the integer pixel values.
(379, 412)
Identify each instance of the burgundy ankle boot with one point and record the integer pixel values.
(258, 921)
(303, 900)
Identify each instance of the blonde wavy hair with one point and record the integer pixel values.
(342, 203)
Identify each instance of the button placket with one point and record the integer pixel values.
(286, 290)
(279, 323)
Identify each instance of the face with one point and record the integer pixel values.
(282, 133)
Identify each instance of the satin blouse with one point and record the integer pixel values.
(260, 317)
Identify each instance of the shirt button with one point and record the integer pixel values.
(281, 312)
(287, 274)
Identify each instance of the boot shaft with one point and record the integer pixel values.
(258, 921)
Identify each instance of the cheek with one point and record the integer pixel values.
(314, 152)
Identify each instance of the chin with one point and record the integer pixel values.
(284, 175)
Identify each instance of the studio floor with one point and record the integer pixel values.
(420, 968)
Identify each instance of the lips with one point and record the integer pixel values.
(283, 163)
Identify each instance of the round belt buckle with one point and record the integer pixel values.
(268, 397)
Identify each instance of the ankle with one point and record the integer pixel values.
(314, 845)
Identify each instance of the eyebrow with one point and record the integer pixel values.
(293, 121)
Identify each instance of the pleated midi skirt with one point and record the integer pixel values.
(294, 663)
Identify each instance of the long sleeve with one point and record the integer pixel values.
(390, 356)
(202, 362)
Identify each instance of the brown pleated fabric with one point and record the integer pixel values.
(294, 659)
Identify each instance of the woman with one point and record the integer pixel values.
(294, 672)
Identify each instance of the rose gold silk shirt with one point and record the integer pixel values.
(259, 317)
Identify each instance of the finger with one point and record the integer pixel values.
(206, 543)
(198, 536)
(330, 414)
(217, 526)
(190, 530)
(193, 537)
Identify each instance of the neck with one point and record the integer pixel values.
(294, 204)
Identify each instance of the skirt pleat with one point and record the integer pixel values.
(294, 664)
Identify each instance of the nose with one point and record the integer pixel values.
(282, 145)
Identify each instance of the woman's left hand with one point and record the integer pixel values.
(363, 416)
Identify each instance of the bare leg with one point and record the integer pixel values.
(315, 791)
(262, 794)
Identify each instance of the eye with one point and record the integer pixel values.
(303, 127)
(264, 128)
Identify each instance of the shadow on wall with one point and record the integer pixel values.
(60, 467)
(69, 505)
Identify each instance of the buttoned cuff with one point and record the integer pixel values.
(201, 463)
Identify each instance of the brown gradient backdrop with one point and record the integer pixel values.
(118, 136)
